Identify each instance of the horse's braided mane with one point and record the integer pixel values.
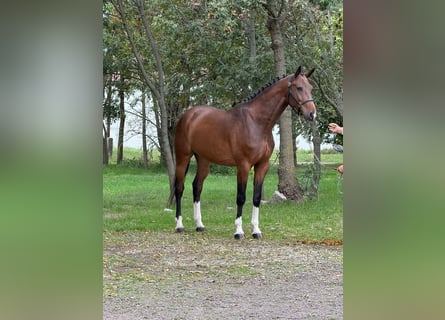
(256, 93)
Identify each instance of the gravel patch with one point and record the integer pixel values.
(194, 276)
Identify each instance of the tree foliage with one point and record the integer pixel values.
(208, 57)
(317, 40)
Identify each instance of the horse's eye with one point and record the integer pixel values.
(300, 88)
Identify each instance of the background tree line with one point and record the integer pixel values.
(161, 57)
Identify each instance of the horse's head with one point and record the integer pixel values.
(300, 94)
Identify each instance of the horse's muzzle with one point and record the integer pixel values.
(310, 116)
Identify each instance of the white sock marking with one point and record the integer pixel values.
(239, 226)
(197, 214)
(179, 224)
(256, 220)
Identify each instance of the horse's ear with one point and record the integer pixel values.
(298, 72)
(308, 74)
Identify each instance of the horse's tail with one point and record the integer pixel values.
(172, 192)
(173, 187)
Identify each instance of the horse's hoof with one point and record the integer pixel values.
(200, 229)
(257, 235)
(179, 230)
(239, 236)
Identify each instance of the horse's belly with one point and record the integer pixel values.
(213, 152)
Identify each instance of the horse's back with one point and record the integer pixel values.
(200, 120)
(196, 112)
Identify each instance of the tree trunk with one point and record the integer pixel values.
(250, 30)
(120, 141)
(108, 122)
(156, 89)
(144, 132)
(104, 151)
(109, 139)
(316, 140)
(110, 146)
(168, 152)
(294, 140)
(105, 158)
(159, 133)
(287, 181)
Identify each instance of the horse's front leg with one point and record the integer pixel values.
(260, 172)
(256, 232)
(242, 176)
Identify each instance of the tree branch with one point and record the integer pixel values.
(120, 9)
(325, 96)
(154, 48)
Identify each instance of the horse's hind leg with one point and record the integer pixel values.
(182, 163)
(198, 182)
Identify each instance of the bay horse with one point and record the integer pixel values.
(241, 137)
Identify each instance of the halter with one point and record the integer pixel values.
(300, 104)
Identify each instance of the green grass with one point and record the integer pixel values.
(133, 156)
(327, 155)
(135, 199)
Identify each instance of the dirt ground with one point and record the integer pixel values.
(192, 276)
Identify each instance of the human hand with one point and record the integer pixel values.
(333, 127)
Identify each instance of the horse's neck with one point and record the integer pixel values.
(269, 106)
